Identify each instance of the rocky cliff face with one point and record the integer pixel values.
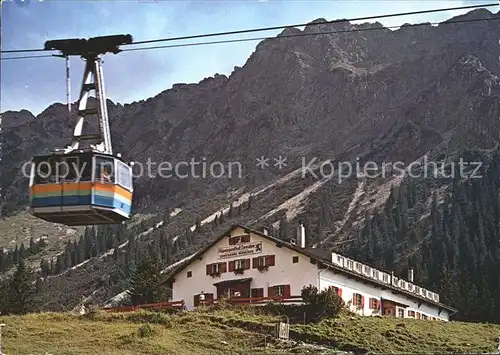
(377, 94)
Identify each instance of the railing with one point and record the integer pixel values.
(256, 300)
(160, 305)
(181, 304)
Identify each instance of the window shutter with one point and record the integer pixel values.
(209, 269)
(362, 302)
(354, 302)
(246, 264)
(231, 266)
(255, 262)
(270, 260)
(287, 292)
(270, 292)
(231, 241)
(245, 238)
(223, 267)
(196, 300)
(339, 292)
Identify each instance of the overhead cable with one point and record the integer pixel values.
(282, 27)
(278, 37)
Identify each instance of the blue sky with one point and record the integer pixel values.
(34, 84)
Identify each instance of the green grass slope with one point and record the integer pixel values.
(234, 331)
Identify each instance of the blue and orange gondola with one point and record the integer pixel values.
(79, 185)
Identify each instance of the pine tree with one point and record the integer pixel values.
(21, 290)
(147, 284)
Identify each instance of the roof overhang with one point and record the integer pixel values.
(399, 304)
(225, 282)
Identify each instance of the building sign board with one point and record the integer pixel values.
(240, 250)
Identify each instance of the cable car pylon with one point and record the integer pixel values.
(96, 187)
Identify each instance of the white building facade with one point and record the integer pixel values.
(247, 263)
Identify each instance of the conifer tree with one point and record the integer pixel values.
(21, 291)
(147, 284)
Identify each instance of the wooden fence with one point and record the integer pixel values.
(257, 300)
(234, 301)
(161, 305)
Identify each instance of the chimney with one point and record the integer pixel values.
(410, 274)
(301, 235)
(265, 231)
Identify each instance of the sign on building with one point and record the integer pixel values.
(240, 250)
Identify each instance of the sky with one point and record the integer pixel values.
(34, 84)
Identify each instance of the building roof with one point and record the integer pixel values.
(322, 256)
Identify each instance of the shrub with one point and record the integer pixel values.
(323, 304)
(145, 330)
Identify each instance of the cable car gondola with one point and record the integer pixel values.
(84, 185)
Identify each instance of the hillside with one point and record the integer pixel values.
(377, 95)
(237, 332)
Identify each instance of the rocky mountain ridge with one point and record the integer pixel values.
(375, 95)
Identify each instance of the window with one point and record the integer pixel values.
(411, 314)
(337, 290)
(418, 315)
(375, 274)
(295, 259)
(238, 264)
(241, 264)
(358, 267)
(401, 313)
(239, 239)
(263, 261)
(217, 268)
(189, 274)
(124, 177)
(368, 270)
(358, 300)
(374, 303)
(42, 171)
(279, 291)
(340, 260)
(257, 292)
(104, 170)
(68, 169)
(350, 264)
(385, 277)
